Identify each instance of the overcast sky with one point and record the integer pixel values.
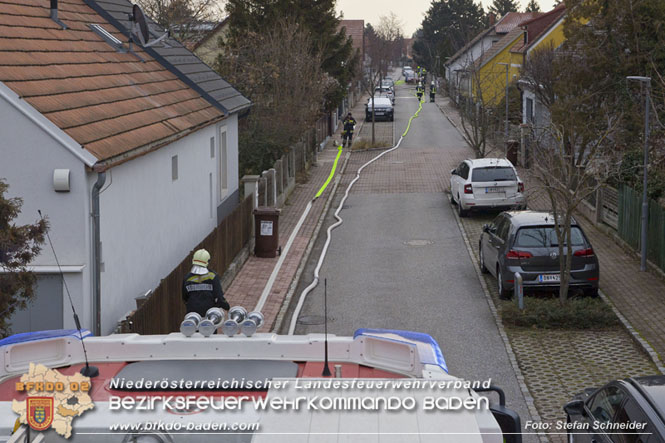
(411, 12)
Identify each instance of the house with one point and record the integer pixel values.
(544, 32)
(207, 48)
(502, 63)
(356, 30)
(130, 151)
(457, 67)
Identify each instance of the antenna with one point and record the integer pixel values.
(141, 30)
(326, 369)
(88, 371)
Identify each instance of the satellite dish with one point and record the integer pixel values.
(140, 25)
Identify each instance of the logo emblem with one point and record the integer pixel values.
(40, 412)
(554, 255)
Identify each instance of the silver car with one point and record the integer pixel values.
(526, 242)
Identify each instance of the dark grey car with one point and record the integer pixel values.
(526, 242)
(631, 411)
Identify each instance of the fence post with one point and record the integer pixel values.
(519, 291)
(599, 206)
(274, 186)
(251, 186)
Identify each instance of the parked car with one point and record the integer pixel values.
(631, 410)
(385, 91)
(409, 77)
(406, 68)
(486, 183)
(383, 108)
(526, 242)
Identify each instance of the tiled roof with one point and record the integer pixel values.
(470, 45)
(186, 65)
(512, 19)
(109, 102)
(538, 26)
(499, 46)
(209, 34)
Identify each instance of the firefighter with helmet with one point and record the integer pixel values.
(202, 288)
(347, 133)
(432, 91)
(419, 91)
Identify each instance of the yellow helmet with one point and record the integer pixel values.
(201, 258)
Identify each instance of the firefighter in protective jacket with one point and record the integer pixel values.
(432, 91)
(347, 133)
(202, 289)
(419, 91)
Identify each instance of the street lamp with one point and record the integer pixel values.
(645, 201)
(505, 131)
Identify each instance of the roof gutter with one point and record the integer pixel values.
(96, 254)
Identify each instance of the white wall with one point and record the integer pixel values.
(471, 55)
(150, 222)
(28, 156)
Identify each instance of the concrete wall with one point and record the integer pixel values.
(150, 222)
(28, 156)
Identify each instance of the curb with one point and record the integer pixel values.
(528, 399)
(281, 315)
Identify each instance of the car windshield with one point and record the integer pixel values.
(493, 174)
(545, 236)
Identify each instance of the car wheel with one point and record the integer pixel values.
(592, 292)
(483, 268)
(460, 210)
(504, 294)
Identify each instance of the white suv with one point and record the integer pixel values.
(486, 183)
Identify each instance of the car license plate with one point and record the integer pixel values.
(378, 113)
(492, 190)
(549, 278)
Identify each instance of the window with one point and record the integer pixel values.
(503, 229)
(632, 413)
(223, 165)
(605, 403)
(542, 237)
(529, 110)
(174, 168)
(463, 170)
(212, 147)
(493, 174)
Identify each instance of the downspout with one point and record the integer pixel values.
(96, 253)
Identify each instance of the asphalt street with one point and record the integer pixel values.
(399, 261)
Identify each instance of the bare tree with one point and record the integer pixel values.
(577, 150)
(184, 17)
(276, 70)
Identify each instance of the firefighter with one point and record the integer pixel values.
(347, 133)
(432, 91)
(202, 289)
(419, 91)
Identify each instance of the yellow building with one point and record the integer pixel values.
(508, 55)
(207, 49)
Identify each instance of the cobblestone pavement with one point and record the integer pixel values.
(558, 364)
(246, 288)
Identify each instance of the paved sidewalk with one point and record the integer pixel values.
(246, 288)
(639, 296)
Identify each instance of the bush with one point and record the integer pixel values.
(577, 313)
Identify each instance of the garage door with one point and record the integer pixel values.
(45, 310)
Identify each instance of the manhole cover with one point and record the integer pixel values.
(419, 242)
(311, 320)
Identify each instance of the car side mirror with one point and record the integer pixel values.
(486, 228)
(453, 172)
(575, 407)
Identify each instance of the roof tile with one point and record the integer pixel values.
(111, 103)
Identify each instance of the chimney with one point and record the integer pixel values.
(54, 14)
(492, 18)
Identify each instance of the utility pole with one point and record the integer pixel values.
(645, 199)
(505, 130)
